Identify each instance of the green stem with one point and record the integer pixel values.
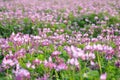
(69, 73)
(62, 75)
(73, 73)
(7, 74)
(81, 75)
(56, 75)
(98, 57)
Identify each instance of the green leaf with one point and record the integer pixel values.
(92, 75)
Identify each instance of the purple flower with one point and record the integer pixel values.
(6, 63)
(73, 62)
(22, 74)
(56, 53)
(76, 52)
(46, 43)
(117, 63)
(21, 53)
(49, 64)
(90, 56)
(61, 66)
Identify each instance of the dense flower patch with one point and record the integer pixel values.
(59, 40)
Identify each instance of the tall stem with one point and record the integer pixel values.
(98, 58)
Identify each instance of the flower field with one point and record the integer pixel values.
(59, 39)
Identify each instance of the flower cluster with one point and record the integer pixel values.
(59, 39)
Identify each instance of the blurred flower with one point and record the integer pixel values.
(22, 74)
(28, 65)
(21, 53)
(45, 43)
(59, 60)
(68, 49)
(45, 77)
(103, 76)
(61, 66)
(33, 66)
(108, 50)
(90, 56)
(117, 63)
(37, 62)
(73, 62)
(96, 18)
(6, 63)
(77, 52)
(49, 64)
(56, 53)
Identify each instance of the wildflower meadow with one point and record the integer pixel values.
(59, 39)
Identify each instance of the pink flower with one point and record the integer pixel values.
(9, 62)
(103, 76)
(37, 62)
(77, 52)
(45, 77)
(28, 65)
(88, 47)
(92, 63)
(45, 43)
(22, 74)
(90, 55)
(68, 49)
(56, 53)
(33, 66)
(61, 66)
(73, 62)
(106, 18)
(59, 60)
(49, 64)
(21, 53)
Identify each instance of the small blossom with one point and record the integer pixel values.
(117, 63)
(46, 43)
(55, 53)
(73, 62)
(103, 76)
(33, 66)
(61, 66)
(22, 74)
(28, 65)
(37, 62)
